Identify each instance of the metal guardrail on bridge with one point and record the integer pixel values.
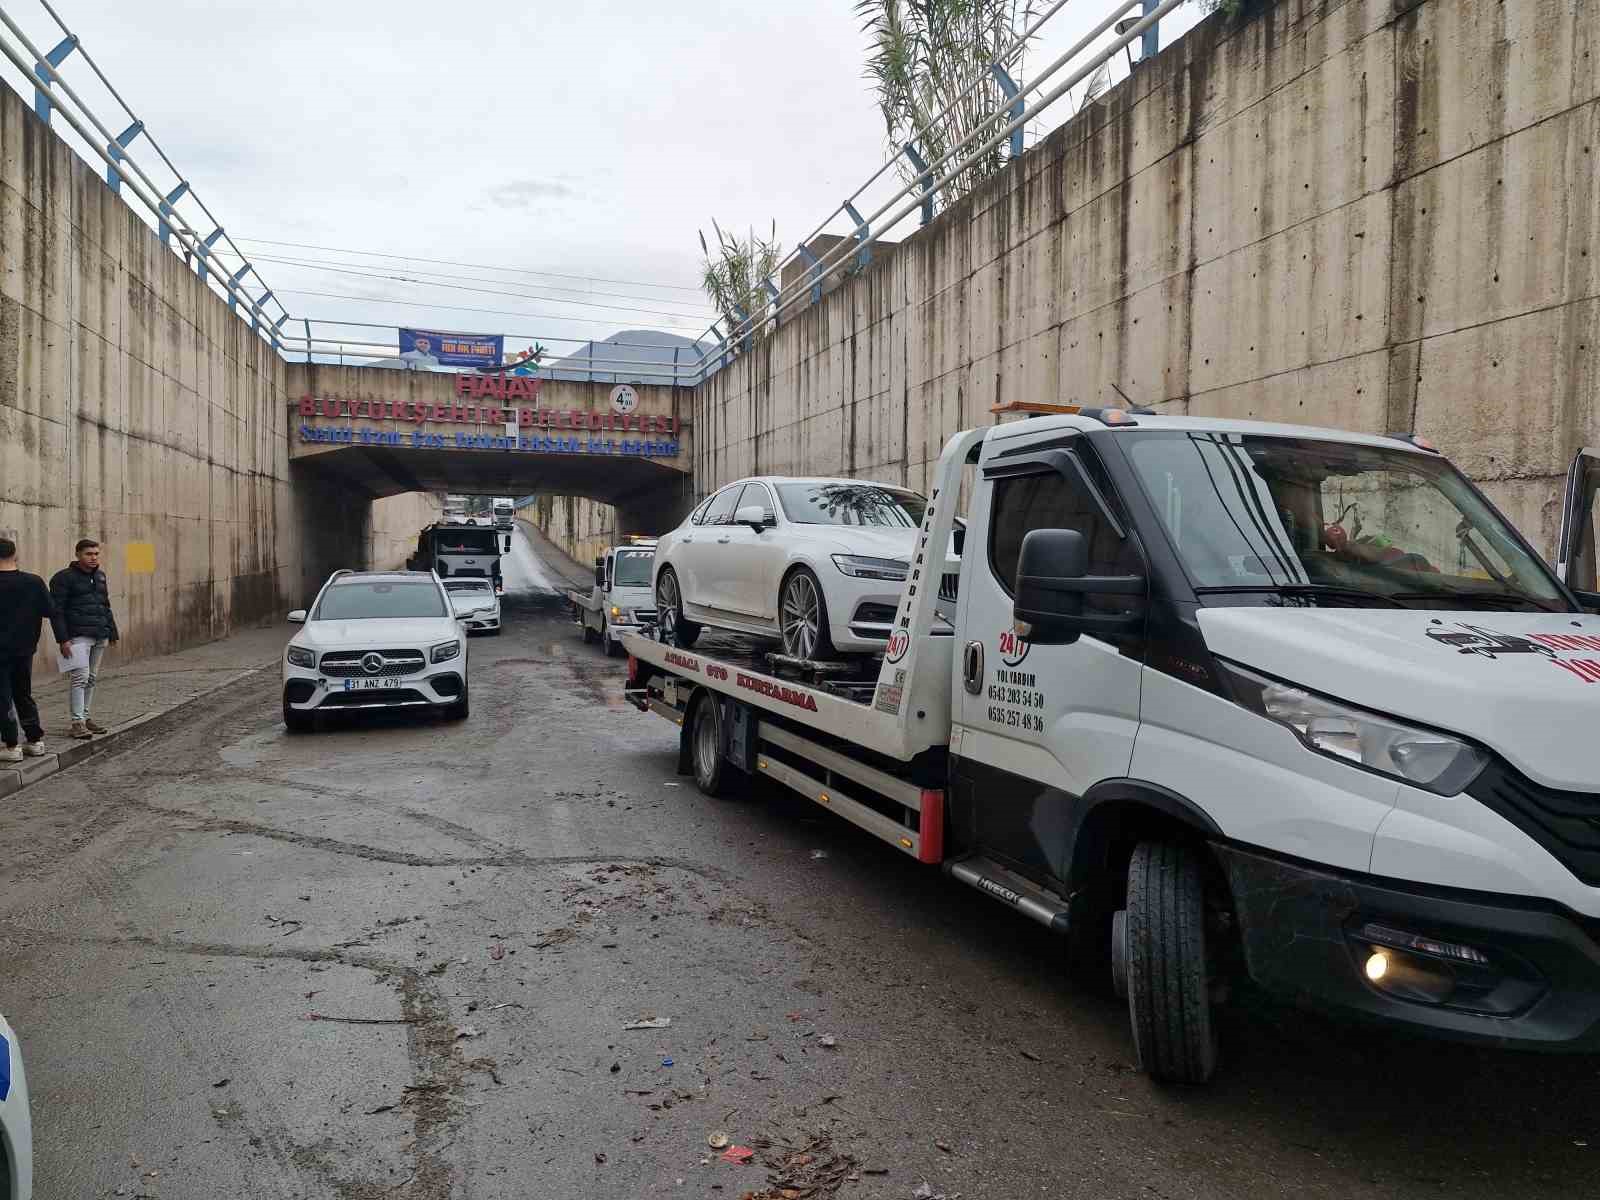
(124, 157)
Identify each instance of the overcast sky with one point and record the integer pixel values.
(590, 138)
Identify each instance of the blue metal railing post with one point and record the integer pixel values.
(1150, 39)
(203, 251)
(1012, 93)
(810, 261)
(276, 326)
(924, 178)
(233, 283)
(41, 98)
(255, 313)
(172, 198)
(863, 255)
(114, 150)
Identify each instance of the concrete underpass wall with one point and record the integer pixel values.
(137, 410)
(583, 528)
(1374, 214)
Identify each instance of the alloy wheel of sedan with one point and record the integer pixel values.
(801, 616)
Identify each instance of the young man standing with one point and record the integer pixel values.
(24, 603)
(83, 599)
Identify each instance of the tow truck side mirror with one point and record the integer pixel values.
(1052, 581)
(599, 575)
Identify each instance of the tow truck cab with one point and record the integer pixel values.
(621, 600)
(1232, 697)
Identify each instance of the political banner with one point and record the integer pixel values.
(451, 349)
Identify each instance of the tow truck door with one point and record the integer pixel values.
(1037, 725)
(1575, 547)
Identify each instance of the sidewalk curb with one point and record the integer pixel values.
(14, 778)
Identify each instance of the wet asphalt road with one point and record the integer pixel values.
(395, 959)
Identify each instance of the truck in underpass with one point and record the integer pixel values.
(459, 550)
(505, 512)
(1220, 701)
(621, 599)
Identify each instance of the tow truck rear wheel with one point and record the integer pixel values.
(588, 634)
(1160, 959)
(711, 768)
(676, 630)
(612, 647)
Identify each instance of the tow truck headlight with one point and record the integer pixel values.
(299, 657)
(1432, 760)
(616, 611)
(444, 651)
(861, 567)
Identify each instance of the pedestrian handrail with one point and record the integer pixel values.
(52, 93)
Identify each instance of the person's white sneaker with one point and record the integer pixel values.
(34, 749)
(10, 753)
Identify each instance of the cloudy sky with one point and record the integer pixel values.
(589, 141)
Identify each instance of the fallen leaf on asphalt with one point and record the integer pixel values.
(497, 952)
(738, 1155)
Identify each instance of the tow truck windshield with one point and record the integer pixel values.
(1334, 523)
(633, 568)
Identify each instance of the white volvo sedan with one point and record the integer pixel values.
(817, 563)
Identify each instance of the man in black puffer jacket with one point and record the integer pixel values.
(83, 599)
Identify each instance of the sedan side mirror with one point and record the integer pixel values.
(297, 617)
(1052, 582)
(752, 515)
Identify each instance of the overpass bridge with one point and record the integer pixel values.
(375, 432)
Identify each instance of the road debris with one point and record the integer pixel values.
(615, 1067)
(819, 854)
(223, 1082)
(497, 952)
(666, 1062)
(945, 1146)
(468, 1031)
(600, 1157)
(649, 1023)
(925, 1192)
(737, 1155)
(828, 1041)
(311, 1016)
(717, 1140)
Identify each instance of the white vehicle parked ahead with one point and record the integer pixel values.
(375, 639)
(819, 563)
(475, 603)
(16, 1127)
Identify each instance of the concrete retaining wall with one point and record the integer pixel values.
(583, 528)
(137, 410)
(1373, 214)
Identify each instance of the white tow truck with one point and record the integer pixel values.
(621, 599)
(1220, 699)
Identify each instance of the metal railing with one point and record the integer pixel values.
(1005, 123)
(169, 202)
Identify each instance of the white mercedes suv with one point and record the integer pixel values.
(375, 639)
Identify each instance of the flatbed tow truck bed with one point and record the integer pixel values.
(809, 726)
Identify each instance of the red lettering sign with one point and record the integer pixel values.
(682, 660)
(777, 691)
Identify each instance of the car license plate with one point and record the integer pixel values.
(362, 685)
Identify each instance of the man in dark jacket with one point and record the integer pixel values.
(83, 599)
(24, 603)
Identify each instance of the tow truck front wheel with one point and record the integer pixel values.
(1160, 960)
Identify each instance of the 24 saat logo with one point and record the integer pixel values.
(1013, 649)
